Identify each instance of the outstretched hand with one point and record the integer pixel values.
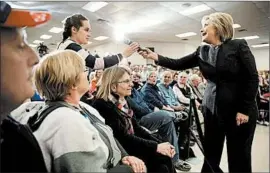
(148, 54)
(133, 47)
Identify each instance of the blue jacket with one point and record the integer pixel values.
(153, 97)
(140, 107)
(168, 94)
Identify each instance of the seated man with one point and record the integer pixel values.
(167, 92)
(194, 84)
(159, 120)
(169, 96)
(152, 95)
(183, 91)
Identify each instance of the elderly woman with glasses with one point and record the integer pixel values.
(115, 86)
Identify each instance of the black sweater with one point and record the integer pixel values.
(141, 142)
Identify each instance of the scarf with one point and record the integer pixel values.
(123, 106)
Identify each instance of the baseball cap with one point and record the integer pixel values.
(11, 17)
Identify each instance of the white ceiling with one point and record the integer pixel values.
(252, 16)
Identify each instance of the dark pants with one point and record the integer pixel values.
(239, 142)
(157, 163)
(162, 121)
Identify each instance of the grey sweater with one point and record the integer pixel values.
(69, 142)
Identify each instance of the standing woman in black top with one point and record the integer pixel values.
(229, 105)
(77, 31)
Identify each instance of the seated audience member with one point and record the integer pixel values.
(167, 92)
(94, 81)
(116, 85)
(144, 74)
(74, 137)
(183, 91)
(262, 103)
(194, 84)
(152, 95)
(20, 151)
(202, 84)
(159, 120)
(137, 81)
(175, 77)
(169, 96)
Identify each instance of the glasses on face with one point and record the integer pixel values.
(127, 81)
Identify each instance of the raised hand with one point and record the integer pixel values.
(133, 47)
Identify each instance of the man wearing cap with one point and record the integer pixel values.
(20, 151)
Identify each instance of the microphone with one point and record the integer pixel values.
(129, 42)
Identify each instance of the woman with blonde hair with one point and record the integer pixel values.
(116, 85)
(229, 108)
(73, 137)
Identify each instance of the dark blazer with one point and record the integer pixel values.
(235, 75)
(140, 143)
(152, 97)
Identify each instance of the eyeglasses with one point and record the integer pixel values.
(125, 81)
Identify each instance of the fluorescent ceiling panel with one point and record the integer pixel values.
(94, 6)
(33, 45)
(56, 30)
(187, 34)
(194, 10)
(236, 25)
(45, 37)
(260, 45)
(38, 41)
(249, 37)
(100, 38)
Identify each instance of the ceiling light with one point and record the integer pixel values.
(33, 45)
(236, 25)
(89, 42)
(260, 45)
(27, 2)
(38, 41)
(146, 22)
(56, 30)
(249, 37)
(94, 6)
(187, 34)
(101, 38)
(196, 9)
(45, 36)
(119, 35)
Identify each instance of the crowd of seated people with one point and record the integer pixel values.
(139, 115)
(263, 100)
(125, 128)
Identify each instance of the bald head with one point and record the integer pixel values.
(166, 78)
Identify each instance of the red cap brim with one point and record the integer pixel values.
(22, 18)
